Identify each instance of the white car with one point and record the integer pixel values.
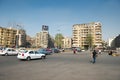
(30, 54)
(9, 51)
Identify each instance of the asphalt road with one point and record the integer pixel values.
(63, 66)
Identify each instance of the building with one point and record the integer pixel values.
(81, 32)
(117, 41)
(20, 38)
(42, 37)
(67, 42)
(10, 37)
(37, 40)
(114, 42)
(111, 42)
(7, 37)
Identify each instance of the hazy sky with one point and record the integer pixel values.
(61, 15)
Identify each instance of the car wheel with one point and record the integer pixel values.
(6, 54)
(28, 58)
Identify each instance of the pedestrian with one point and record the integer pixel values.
(111, 52)
(94, 55)
(74, 50)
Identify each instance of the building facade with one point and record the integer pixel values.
(42, 37)
(111, 42)
(7, 37)
(20, 38)
(117, 41)
(81, 32)
(10, 37)
(114, 42)
(67, 42)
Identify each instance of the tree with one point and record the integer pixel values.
(58, 40)
(50, 42)
(89, 40)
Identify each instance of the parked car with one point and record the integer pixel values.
(9, 51)
(78, 49)
(1, 50)
(55, 50)
(44, 51)
(48, 50)
(21, 49)
(30, 54)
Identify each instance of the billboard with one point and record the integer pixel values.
(44, 28)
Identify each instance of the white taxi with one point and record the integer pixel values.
(9, 51)
(30, 54)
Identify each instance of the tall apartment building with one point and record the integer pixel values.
(80, 32)
(20, 37)
(37, 40)
(7, 37)
(10, 37)
(42, 37)
(67, 42)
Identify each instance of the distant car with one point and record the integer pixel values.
(55, 50)
(83, 50)
(48, 50)
(78, 49)
(44, 51)
(21, 49)
(30, 54)
(9, 51)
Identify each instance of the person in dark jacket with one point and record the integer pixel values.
(94, 55)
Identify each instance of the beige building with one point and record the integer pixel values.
(80, 32)
(67, 42)
(9, 37)
(21, 37)
(42, 39)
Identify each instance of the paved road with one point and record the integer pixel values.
(63, 66)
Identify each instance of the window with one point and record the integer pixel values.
(31, 52)
(13, 50)
(36, 52)
(9, 49)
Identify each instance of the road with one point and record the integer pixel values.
(63, 66)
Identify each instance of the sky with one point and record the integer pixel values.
(61, 15)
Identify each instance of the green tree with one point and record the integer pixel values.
(50, 42)
(58, 40)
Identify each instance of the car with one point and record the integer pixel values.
(21, 49)
(30, 54)
(48, 50)
(44, 51)
(9, 51)
(55, 50)
(1, 50)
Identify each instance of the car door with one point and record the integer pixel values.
(9, 51)
(37, 54)
(32, 54)
(14, 52)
